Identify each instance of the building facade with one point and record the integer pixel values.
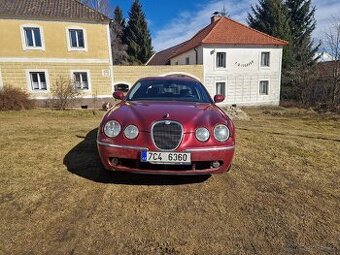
(239, 62)
(42, 41)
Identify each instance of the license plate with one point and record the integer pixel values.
(156, 157)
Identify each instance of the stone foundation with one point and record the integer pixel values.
(81, 103)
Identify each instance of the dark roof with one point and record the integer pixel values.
(224, 31)
(163, 57)
(51, 9)
(326, 69)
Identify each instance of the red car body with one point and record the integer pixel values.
(144, 114)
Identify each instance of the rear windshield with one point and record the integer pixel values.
(169, 90)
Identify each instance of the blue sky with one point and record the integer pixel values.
(172, 22)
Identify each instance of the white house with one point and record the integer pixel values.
(239, 62)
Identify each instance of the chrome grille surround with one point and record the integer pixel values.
(167, 135)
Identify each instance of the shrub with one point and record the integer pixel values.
(64, 93)
(12, 98)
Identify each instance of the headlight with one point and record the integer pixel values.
(202, 134)
(221, 133)
(112, 128)
(131, 132)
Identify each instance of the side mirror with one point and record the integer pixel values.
(219, 98)
(118, 95)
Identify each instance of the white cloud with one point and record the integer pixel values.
(187, 23)
(325, 11)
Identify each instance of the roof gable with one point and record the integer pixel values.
(223, 31)
(51, 9)
(228, 31)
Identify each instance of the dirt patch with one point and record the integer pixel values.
(236, 113)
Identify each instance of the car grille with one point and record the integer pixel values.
(167, 135)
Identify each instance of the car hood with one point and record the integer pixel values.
(143, 114)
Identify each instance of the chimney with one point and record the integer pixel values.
(215, 18)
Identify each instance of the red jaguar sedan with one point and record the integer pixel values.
(167, 125)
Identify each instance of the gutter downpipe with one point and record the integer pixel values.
(196, 55)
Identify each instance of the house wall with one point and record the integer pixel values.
(130, 74)
(243, 74)
(181, 59)
(56, 58)
(55, 38)
(15, 74)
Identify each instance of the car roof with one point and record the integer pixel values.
(169, 78)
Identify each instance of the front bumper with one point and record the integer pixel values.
(129, 160)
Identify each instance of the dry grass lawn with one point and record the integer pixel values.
(282, 195)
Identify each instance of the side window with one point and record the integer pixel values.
(76, 39)
(220, 88)
(187, 61)
(265, 59)
(38, 81)
(264, 87)
(32, 37)
(221, 59)
(81, 80)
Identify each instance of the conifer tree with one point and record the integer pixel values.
(119, 55)
(137, 36)
(270, 17)
(118, 16)
(302, 23)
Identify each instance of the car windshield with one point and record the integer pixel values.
(169, 90)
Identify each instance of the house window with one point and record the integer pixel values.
(221, 58)
(176, 63)
(264, 87)
(220, 88)
(32, 37)
(81, 80)
(265, 59)
(77, 39)
(38, 81)
(187, 61)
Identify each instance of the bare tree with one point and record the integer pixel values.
(332, 43)
(64, 93)
(103, 6)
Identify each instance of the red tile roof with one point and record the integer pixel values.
(326, 69)
(72, 10)
(224, 31)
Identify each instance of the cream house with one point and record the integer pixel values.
(43, 40)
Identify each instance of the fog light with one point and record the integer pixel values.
(215, 164)
(114, 161)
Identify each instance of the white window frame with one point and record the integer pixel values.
(29, 82)
(88, 78)
(23, 37)
(68, 39)
(268, 89)
(260, 62)
(225, 87)
(215, 61)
